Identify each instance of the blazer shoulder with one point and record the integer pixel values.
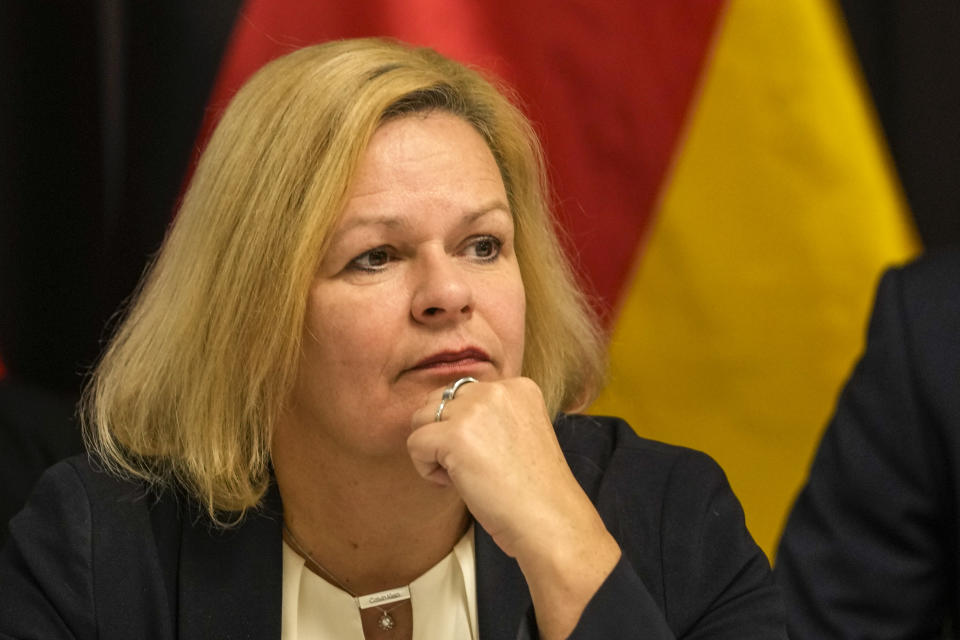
(76, 491)
(941, 266)
(87, 537)
(76, 495)
(928, 288)
(105, 491)
(601, 439)
(650, 467)
(914, 328)
(606, 452)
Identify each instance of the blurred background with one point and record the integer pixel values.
(731, 177)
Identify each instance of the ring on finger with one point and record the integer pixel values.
(449, 394)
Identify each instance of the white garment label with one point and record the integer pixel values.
(383, 597)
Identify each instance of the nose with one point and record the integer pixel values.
(442, 293)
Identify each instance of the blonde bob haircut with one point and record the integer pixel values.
(188, 391)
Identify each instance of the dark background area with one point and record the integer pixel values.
(100, 109)
(910, 54)
(101, 105)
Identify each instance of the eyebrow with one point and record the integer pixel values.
(395, 222)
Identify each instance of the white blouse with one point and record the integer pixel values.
(444, 600)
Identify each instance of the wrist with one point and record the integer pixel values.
(564, 574)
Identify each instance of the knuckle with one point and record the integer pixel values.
(528, 384)
(498, 391)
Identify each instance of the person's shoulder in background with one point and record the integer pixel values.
(869, 549)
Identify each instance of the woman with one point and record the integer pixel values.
(337, 385)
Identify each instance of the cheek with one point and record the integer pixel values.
(512, 325)
(352, 327)
(338, 359)
(340, 337)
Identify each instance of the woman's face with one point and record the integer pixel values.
(420, 286)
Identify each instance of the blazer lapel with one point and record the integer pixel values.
(230, 581)
(504, 610)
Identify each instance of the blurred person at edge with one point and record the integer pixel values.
(870, 547)
(335, 408)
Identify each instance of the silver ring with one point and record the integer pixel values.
(449, 394)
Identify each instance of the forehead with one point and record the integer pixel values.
(433, 159)
(424, 147)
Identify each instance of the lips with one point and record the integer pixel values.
(449, 359)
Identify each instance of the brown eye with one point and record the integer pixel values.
(485, 248)
(372, 260)
(377, 257)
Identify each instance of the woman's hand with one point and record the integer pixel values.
(496, 445)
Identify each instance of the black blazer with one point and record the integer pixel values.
(92, 556)
(870, 549)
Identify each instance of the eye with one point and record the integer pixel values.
(484, 248)
(372, 260)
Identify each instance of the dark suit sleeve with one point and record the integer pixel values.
(865, 550)
(622, 608)
(46, 582)
(716, 582)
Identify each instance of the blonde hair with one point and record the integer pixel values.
(189, 389)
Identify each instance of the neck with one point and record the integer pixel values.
(371, 521)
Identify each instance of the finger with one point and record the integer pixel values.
(439, 476)
(428, 412)
(425, 448)
(426, 415)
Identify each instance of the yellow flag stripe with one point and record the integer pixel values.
(749, 302)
